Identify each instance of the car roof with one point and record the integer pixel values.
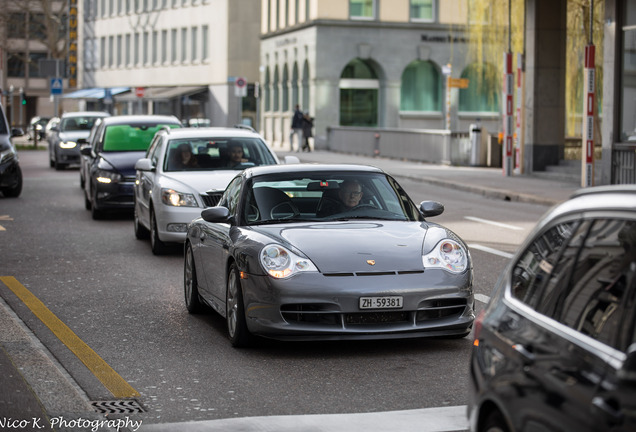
(85, 114)
(309, 167)
(211, 132)
(598, 198)
(134, 119)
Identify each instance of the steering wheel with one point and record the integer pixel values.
(291, 206)
(361, 206)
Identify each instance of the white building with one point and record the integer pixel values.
(183, 55)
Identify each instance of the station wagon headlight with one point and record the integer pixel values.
(177, 199)
(279, 262)
(68, 144)
(448, 255)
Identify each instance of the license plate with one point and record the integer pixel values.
(393, 302)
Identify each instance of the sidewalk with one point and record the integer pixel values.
(489, 182)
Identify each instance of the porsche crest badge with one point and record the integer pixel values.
(371, 262)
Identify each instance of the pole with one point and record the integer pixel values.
(589, 101)
(508, 125)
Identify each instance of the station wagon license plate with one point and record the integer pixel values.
(393, 302)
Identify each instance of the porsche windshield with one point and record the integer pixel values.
(322, 197)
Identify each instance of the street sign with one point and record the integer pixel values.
(56, 86)
(461, 83)
(240, 87)
(140, 91)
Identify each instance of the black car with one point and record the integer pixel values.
(116, 145)
(10, 173)
(555, 348)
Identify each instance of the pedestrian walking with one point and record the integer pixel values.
(308, 124)
(296, 129)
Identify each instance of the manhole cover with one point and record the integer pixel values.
(127, 406)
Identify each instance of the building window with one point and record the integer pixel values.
(194, 39)
(136, 49)
(362, 9)
(204, 42)
(155, 47)
(173, 46)
(164, 46)
(102, 52)
(305, 85)
(111, 51)
(359, 87)
(127, 49)
(422, 10)
(119, 50)
(422, 88)
(482, 94)
(285, 88)
(294, 85)
(184, 45)
(276, 90)
(145, 48)
(628, 74)
(266, 90)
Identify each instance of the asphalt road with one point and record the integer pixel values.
(127, 306)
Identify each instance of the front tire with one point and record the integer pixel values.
(15, 189)
(238, 333)
(495, 423)
(158, 247)
(190, 285)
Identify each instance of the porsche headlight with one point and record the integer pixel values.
(107, 177)
(279, 262)
(68, 144)
(448, 255)
(177, 199)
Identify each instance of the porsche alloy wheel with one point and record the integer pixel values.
(235, 311)
(190, 287)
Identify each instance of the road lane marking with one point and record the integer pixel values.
(102, 370)
(482, 298)
(490, 222)
(4, 218)
(491, 250)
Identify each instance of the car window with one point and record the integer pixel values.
(153, 150)
(583, 275)
(321, 196)
(231, 195)
(216, 153)
(72, 124)
(130, 137)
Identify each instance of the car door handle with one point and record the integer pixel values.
(613, 414)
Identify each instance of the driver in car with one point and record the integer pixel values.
(235, 154)
(349, 195)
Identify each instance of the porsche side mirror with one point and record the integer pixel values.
(216, 214)
(431, 208)
(291, 160)
(144, 164)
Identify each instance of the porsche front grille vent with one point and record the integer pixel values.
(383, 273)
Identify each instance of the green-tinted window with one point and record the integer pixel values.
(422, 88)
(358, 95)
(484, 86)
(358, 69)
(131, 137)
(361, 8)
(422, 10)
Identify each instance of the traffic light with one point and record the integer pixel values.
(22, 97)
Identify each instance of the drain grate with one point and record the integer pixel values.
(126, 406)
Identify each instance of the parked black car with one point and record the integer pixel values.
(555, 349)
(111, 155)
(10, 173)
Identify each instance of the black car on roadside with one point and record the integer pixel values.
(10, 173)
(555, 348)
(116, 145)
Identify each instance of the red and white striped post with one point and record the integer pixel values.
(519, 117)
(587, 155)
(508, 125)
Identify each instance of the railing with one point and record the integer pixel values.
(433, 146)
(624, 168)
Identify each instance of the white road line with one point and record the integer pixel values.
(490, 250)
(443, 419)
(489, 222)
(482, 298)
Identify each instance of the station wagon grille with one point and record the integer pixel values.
(211, 199)
(328, 315)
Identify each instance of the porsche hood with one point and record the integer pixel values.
(354, 247)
